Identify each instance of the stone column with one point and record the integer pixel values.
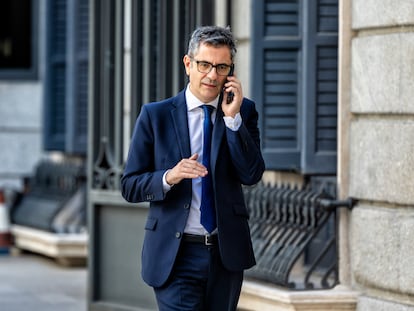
(381, 156)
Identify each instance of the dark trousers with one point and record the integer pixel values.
(199, 282)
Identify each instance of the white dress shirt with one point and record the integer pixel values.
(195, 115)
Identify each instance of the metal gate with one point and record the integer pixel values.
(158, 32)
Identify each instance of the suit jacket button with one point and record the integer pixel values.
(186, 206)
(178, 235)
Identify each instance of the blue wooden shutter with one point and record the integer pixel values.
(276, 85)
(55, 86)
(66, 76)
(320, 105)
(77, 77)
(295, 83)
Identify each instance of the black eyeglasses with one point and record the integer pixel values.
(206, 67)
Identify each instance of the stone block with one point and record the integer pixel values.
(407, 251)
(258, 296)
(382, 160)
(20, 152)
(381, 249)
(382, 71)
(68, 249)
(384, 13)
(372, 304)
(21, 105)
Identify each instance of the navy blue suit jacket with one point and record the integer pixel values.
(159, 141)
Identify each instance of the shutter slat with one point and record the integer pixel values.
(281, 89)
(327, 86)
(280, 111)
(281, 99)
(55, 91)
(326, 101)
(326, 98)
(281, 78)
(328, 16)
(327, 121)
(83, 25)
(81, 125)
(284, 6)
(281, 18)
(58, 24)
(285, 121)
(80, 118)
(326, 134)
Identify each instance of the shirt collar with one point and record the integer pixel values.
(193, 102)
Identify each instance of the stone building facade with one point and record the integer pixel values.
(375, 165)
(378, 167)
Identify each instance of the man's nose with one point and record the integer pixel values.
(213, 73)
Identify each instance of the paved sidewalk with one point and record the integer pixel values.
(37, 283)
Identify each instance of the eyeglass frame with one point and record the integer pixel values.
(230, 67)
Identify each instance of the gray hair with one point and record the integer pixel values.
(212, 35)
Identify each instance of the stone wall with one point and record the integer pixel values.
(21, 120)
(381, 154)
(20, 131)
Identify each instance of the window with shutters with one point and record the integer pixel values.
(294, 48)
(66, 76)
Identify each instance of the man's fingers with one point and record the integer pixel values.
(194, 168)
(187, 168)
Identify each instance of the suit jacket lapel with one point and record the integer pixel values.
(217, 137)
(180, 122)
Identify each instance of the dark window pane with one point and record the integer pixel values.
(15, 34)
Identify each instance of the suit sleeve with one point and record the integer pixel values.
(244, 146)
(140, 181)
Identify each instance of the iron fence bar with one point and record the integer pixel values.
(284, 222)
(334, 204)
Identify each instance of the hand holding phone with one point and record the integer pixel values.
(230, 95)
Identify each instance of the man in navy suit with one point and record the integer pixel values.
(197, 239)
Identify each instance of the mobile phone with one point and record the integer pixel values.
(230, 95)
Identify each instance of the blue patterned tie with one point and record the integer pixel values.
(208, 215)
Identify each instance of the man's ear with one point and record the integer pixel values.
(187, 64)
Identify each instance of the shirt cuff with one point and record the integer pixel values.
(233, 123)
(165, 186)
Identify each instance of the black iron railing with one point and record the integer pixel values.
(285, 222)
